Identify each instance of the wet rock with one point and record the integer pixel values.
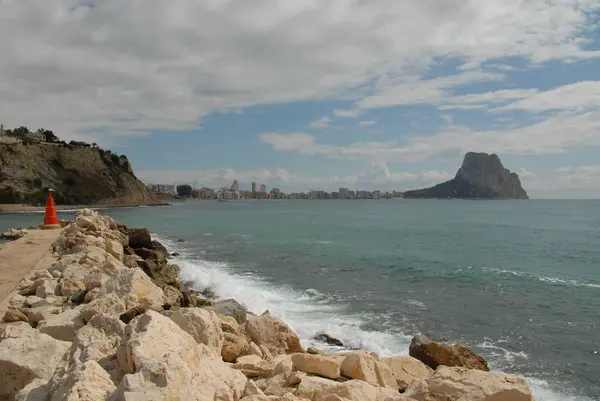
(151, 254)
(313, 351)
(230, 307)
(173, 296)
(180, 240)
(139, 238)
(209, 293)
(175, 254)
(434, 354)
(162, 274)
(78, 297)
(157, 246)
(327, 339)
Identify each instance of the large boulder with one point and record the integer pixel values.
(456, 383)
(434, 354)
(26, 354)
(230, 307)
(134, 288)
(272, 333)
(63, 326)
(149, 337)
(362, 366)
(84, 382)
(406, 369)
(317, 364)
(110, 304)
(203, 325)
(140, 238)
(162, 274)
(35, 391)
(97, 341)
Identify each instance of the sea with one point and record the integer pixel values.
(517, 281)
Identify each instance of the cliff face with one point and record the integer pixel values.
(481, 176)
(79, 175)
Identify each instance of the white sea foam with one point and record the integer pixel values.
(545, 279)
(311, 312)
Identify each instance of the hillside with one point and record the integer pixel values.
(78, 174)
(481, 176)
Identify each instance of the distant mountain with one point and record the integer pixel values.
(78, 172)
(481, 176)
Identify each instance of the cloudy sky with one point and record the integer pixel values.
(300, 94)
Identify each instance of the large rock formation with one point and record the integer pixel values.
(78, 174)
(481, 176)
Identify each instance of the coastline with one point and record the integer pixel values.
(22, 208)
(115, 286)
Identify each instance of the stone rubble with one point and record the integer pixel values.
(110, 320)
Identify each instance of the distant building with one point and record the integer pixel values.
(263, 188)
(235, 187)
(254, 190)
(344, 193)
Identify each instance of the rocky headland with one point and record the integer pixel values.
(79, 174)
(481, 176)
(110, 320)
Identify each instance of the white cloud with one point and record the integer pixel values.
(351, 113)
(461, 107)
(130, 67)
(367, 123)
(556, 134)
(320, 123)
(568, 182)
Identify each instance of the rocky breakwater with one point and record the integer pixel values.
(111, 321)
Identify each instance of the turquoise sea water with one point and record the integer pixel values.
(518, 281)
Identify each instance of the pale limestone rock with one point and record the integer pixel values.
(150, 336)
(36, 315)
(43, 274)
(63, 326)
(56, 274)
(165, 379)
(95, 279)
(253, 366)
(33, 302)
(135, 288)
(317, 364)
(272, 333)
(85, 382)
(388, 394)
(46, 287)
(172, 295)
(362, 366)
(27, 287)
(114, 248)
(202, 324)
(92, 295)
(455, 383)
(35, 391)
(214, 380)
(276, 385)
(283, 365)
(17, 301)
(97, 341)
(69, 286)
(296, 378)
(110, 304)
(252, 389)
(16, 330)
(95, 255)
(48, 301)
(406, 368)
(229, 325)
(310, 384)
(234, 346)
(353, 390)
(266, 354)
(29, 356)
(253, 349)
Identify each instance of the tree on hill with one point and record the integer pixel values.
(184, 190)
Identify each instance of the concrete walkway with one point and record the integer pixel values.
(21, 257)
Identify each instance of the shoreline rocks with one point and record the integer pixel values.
(111, 320)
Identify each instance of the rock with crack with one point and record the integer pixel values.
(406, 369)
(272, 333)
(203, 325)
(21, 351)
(64, 325)
(434, 354)
(317, 364)
(456, 383)
(362, 366)
(84, 382)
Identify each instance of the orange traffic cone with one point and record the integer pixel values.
(50, 219)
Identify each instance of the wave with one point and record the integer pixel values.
(310, 312)
(544, 279)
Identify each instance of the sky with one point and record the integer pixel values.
(314, 94)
